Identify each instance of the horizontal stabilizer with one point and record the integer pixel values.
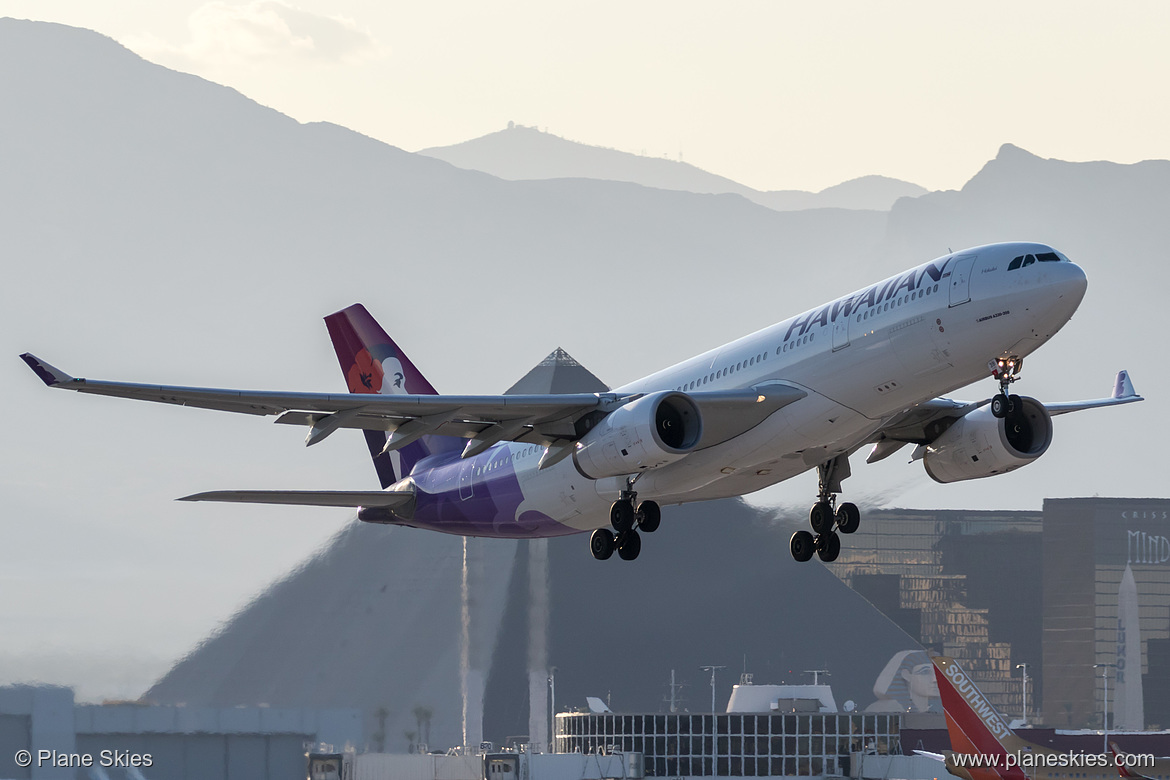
(349, 498)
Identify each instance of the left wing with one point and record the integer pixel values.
(351, 498)
(926, 422)
(1123, 393)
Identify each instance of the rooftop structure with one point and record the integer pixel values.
(171, 743)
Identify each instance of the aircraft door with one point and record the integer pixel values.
(841, 329)
(466, 475)
(961, 279)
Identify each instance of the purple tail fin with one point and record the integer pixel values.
(373, 363)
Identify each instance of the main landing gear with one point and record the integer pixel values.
(1006, 370)
(825, 514)
(626, 522)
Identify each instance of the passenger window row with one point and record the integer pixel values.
(876, 310)
(723, 372)
(495, 464)
(805, 339)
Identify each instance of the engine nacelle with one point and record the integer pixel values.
(979, 445)
(652, 431)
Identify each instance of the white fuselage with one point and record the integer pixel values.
(861, 359)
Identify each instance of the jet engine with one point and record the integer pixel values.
(979, 445)
(652, 431)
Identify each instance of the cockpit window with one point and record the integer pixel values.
(1025, 260)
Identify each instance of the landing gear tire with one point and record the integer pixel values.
(802, 546)
(601, 544)
(999, 406)
(828, 547)
(648, 516)
(848, 518)
(621, 515)
(820, 517)
(1005, 370)
(629, 545)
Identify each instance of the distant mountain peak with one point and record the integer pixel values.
(873, 180)
(1013, 153)
(520, 152)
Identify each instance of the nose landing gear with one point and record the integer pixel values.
(1005, 370)
(627, 516)
(826, 516)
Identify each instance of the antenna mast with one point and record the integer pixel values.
(712, 670)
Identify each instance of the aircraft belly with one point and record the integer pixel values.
(813, 424)
(743, 482)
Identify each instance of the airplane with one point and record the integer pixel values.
(806, 393)
(1127, 763)
(984, 747)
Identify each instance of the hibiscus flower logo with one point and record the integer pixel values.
(365, 375)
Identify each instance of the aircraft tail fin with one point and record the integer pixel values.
(974, 725)
(373, 363)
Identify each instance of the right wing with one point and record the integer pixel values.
(554, 420)
(536, 419)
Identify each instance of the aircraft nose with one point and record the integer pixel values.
(1065, 286)
(1071, 281)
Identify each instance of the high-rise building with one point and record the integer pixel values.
(1088, 544)
(963, 583)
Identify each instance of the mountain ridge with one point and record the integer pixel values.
(523, 153)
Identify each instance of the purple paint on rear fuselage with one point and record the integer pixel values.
(477, 496)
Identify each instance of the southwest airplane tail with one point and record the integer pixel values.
(372, 363)
(983, 746)
(975, 727)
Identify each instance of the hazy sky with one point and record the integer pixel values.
(777, 95)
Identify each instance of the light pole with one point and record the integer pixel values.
(1105, 712)
(712, 669)
(552, 688)
(1024, 666)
